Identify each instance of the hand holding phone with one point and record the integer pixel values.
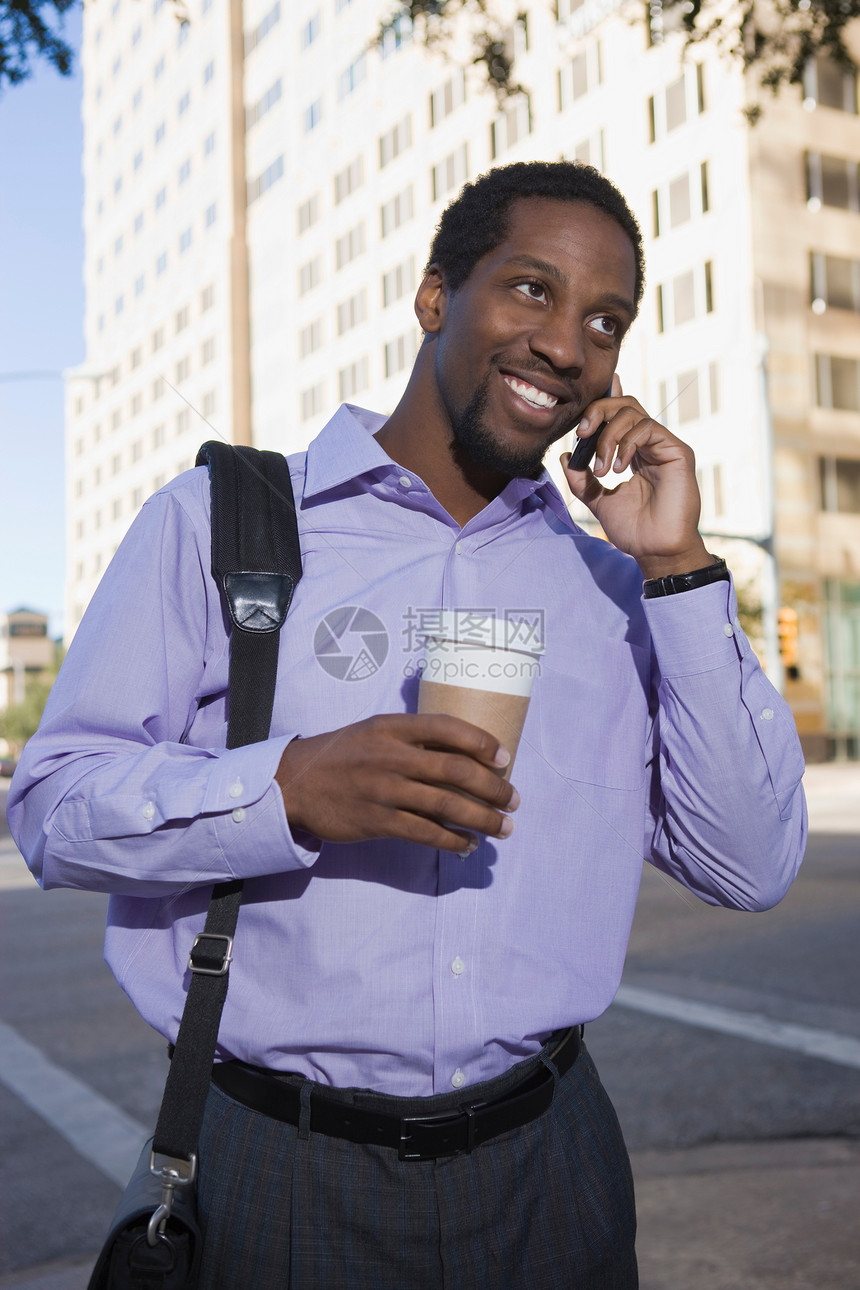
(586, 447)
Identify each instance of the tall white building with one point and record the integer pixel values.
(262, 186)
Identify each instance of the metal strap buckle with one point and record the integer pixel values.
(173, 1172)
(226, 954)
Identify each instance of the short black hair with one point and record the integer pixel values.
(477, 220)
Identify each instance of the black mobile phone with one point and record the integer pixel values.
(587, 446)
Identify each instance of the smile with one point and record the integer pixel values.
(530, 393)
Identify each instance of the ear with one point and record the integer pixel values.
(430, 301)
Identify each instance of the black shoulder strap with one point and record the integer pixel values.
(256, 561)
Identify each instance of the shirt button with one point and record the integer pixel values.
(235, 790)
(728, 630)
(405, 481)
(458, 966)
(458, 547)
(239, 814)
(458, 1079)
(767, 714)
(148, 811)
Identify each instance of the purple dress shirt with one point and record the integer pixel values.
(652, 734)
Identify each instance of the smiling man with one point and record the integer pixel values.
(403, 1098)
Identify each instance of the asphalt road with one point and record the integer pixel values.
(746, 1146)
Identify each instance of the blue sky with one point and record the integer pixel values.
(41, 324)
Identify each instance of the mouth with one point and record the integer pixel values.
(531, 395)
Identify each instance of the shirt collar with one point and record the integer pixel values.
(346, 448)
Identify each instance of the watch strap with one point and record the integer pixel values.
(674, 583)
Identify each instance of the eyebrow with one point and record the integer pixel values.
(610, 300)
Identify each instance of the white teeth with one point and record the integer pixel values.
(531, 394)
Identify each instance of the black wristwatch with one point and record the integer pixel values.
(675, 582)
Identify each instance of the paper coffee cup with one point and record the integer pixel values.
(478, 669)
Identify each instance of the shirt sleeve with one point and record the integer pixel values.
(727, 815)
(109, 794)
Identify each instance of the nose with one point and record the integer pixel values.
(559, 341)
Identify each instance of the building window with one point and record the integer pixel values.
(832, 181)
(138, 222)
(310, 275)
(347, 180)
(137, 450)
(184, 103)
(308, 213)
(397, 282)
(136, 499)
(210, 215)
(680, 101)
(207, 351)
(837, 382)
(209, 404)
(157, 339)
(397, 34)
(262, 29)
(136, 358)
(842, 618)
(351, 77)
(834, 282)
(687, 296)
(579, 75)
(183, 422)
(158, 436)
(450, 173)
(185, 170)
(118, 305)
(397, 210)
(159, 133)
(353, 379)
(264, 104)
(136, 404)
(840, 485)
(395, 141)
(184, 240)
(183, 370)
(207, 298)
(208, 72)
(311, 30)
(311, 338)
(352, 312)
(448, 97)
(116, 509)
(263, 182)
(349, 246)
(158, 70)
(137, 161)
(209, 144)
(311, 401)
(312, 115)
(826, 84)
(182, 318)
(160, 198)
(399, 353)
(157, 388)
(511, 125)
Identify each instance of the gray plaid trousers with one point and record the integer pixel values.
(548, 1206)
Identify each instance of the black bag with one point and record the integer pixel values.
(155, 1239)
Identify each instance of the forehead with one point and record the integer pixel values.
(575, 236)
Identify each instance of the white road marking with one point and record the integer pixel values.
(98, 1130)
(824, 1044)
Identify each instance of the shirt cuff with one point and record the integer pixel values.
(696, 631)
(250, 822)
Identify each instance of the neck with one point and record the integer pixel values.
(419, 437)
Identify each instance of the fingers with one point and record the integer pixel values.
(437, 730)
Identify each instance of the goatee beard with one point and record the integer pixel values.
(474, 441)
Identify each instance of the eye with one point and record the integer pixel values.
(532, 289)
(605, 325)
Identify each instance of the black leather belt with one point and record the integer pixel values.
(416, 1137)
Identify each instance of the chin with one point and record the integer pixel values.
(478, 444)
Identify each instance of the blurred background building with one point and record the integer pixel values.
(262, 182)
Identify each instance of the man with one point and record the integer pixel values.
(403, 950)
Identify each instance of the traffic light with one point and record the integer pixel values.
(786, 620)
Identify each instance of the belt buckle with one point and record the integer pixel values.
(457, 1116)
